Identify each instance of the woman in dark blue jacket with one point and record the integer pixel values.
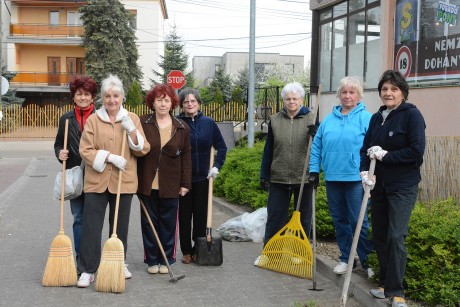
(396, 138)
(204, 134)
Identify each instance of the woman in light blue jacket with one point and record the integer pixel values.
(336, 149)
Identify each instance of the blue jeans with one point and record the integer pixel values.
(76, 207)
(344, 200)
(390, 214)
(279, 199)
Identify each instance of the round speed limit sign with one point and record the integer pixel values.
(403, 61)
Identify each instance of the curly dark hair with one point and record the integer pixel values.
(83, 82)
(161, 90)
(394, 77)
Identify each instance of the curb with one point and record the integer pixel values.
(359, 286)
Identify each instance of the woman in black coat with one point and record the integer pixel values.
(83, 90)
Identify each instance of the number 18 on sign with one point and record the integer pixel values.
(403, 61)
(176, 79)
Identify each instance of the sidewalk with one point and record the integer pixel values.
(29, 220)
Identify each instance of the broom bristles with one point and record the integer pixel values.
(60, 270)
(289, 251)
(111, 272)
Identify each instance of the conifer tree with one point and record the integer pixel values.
(110, 41)
(221, 85)
(174, 58)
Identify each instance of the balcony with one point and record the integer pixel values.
(40, 30)
(40, 79)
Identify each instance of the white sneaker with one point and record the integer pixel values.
(261, 260)
(85, 280)
(128, 274)
(370, 273)
(378, 293)
(340, 268)
(164, 269)
(153, 269)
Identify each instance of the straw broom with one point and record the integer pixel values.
(60, 270)
(111, 275)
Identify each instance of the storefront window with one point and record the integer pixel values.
(435, 54)
(349, 40)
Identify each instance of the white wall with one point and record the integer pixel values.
(150, 35)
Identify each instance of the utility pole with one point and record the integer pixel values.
(252, 47)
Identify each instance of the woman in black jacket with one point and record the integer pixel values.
(396, 138)
(83, 90)
(204, 134)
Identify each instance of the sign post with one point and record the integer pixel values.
(176, 79)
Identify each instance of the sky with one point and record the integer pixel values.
(213, 27)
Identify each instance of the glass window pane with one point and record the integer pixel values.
(356, 4)
(340, 9)
(325, 56)
(325, 14)
(429, 27)
(338, 52)
(54, 18)
(356, 38)
(373, 51)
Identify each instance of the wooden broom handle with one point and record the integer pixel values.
(66, 130)
(117, 202)
(209, 219)
(307, 158)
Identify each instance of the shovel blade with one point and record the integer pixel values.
(209, 253)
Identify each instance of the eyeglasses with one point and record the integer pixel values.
(292, 99)
(193, 101)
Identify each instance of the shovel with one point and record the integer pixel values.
(208, 250)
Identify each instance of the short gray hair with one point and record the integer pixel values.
(112, 82)
(354, 82)
(294, 87)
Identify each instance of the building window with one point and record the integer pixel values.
(433, 55)
(349, 36)
(54, 18)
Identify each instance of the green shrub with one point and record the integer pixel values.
(433, 245)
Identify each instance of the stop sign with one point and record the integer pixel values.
(176, 79)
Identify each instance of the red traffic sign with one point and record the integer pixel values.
(176, 79)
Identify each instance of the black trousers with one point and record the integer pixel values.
(163, 213)
(193, 207)
(93, 222)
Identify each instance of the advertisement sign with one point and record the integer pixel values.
(427, 58)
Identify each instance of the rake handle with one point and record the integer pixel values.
(117, 202)
(160, 246)
(307, 158)
(362, 212)
(66, 131)
(210, 191)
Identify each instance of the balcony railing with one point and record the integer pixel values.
(35, 29)
(41, 78)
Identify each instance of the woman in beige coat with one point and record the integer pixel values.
(100, 147)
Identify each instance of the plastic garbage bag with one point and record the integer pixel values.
(245, 227)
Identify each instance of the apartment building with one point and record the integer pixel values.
(42, 44)
(204, 67)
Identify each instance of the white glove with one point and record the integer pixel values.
(376, 152)
(118, 161)
(127, 124)
(366, 181)
(213, 172)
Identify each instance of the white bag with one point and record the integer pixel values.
(245, 227)
(73, 183)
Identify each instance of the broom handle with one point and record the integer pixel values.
(209, 219)
(66, 130)
(367, 191)
(117, 203)
(307, 158)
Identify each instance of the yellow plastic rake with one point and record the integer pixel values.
(289, 250)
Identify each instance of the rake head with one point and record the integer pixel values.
(289, 251)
